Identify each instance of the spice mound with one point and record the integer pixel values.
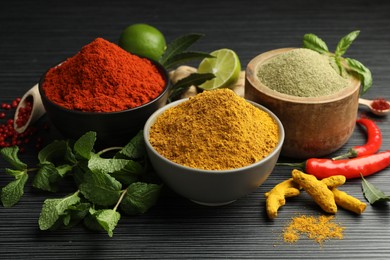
(214, 130)
(302, 73)
(102, 77)
(319, 229)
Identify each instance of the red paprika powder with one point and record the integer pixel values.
(103, 77)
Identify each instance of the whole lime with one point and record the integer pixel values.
(143, 39)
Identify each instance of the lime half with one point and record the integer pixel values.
(225, 66)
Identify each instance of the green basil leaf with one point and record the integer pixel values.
(185, 57)
(53, 209)
(313, 42)
(108, 219)
(372, 193)
(13, 191)
(10, 154)
(339, 65)
(194, 79)
(345, 42)
(135, 149)
(179, 45)
(363, 72)
(100, 188)
(84, 145)
(140, 197)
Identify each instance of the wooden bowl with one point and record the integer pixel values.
(314, 126)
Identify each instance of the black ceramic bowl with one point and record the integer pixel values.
(112, 128)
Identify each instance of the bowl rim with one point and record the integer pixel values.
(159, 66)
(187, 169)
(252, 78)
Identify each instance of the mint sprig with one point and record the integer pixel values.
(313, 42)
(105, 183)
(13, 191)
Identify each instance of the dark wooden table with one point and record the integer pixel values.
(35, 35)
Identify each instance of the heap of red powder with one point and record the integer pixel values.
(103, 77)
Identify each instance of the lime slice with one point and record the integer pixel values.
(225, 66)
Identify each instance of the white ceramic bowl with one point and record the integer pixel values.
(212, 187)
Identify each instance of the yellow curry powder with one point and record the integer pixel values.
(214, 130)
(319, 229)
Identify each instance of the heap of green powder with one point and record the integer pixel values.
(303, 73)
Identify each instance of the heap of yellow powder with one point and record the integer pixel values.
(319, 229)
(214, 130)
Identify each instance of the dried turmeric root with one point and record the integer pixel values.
(318, 190)
(334, 181)
(276, 197)
(341, 198)
(348, 202)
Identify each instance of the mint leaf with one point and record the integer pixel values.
(372, 193)
(195, 79)
(10, 154)
(15, 173)
(13, 191)
(135, 149)
(105, 165)
(108, 219)
(53, 209)
(54, 152)
(90, 221)
(185, 57)
(84, 145)
(140, 197)
(48, 176)
(363, 72)
(179, 45)
(100, 188)
(129, 174)
(345, 42)
(75, 213)
(313, 42)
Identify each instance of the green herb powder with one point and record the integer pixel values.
(303, 73)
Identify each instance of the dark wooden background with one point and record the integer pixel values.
(35, 35)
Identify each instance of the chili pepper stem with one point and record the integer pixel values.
(350, 154)
(297, 165)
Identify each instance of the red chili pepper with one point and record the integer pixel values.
(350, 168)
(373, 144)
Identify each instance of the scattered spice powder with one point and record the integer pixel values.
(303, 73)
(214, 130)
(319, 229)
(380, 104)
(103, 77)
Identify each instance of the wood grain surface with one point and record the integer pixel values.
(35, 35)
